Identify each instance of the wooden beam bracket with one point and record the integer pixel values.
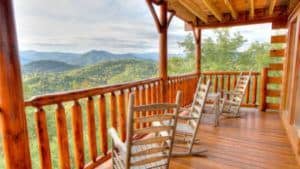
(158, 23)
(196, 33)
(154, 14)
(172, 14)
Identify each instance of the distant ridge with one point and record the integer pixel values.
(47, 66)
(90, 57)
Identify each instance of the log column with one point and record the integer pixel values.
(162, 23)
(163, 48)
(197, 37)
(12, 113)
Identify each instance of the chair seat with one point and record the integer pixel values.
(159, 164)
(183, 128)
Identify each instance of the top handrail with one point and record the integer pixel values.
(229, 72)
(182, 76)
(54, 98)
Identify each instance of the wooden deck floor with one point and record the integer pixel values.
(254, 141)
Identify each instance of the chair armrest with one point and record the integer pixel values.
(232, 93)
(231, 102)
(117, 141)
(187, 117)
(181, 109)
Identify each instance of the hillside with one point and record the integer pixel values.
(90, 57)
(31, 56)
(46, 66)
(104, 72)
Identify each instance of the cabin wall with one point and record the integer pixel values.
(290, 107)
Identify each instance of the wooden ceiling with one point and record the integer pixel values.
(214, 13)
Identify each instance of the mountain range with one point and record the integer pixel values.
(82, 59)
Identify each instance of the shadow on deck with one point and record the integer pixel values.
(256, 140)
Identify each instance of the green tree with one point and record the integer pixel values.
(224, 52)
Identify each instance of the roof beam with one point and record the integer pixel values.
(272, 6)
(279, 17)
(213, 9)
(230, 7)
(252, 9)
(194, 8)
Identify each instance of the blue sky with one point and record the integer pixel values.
(119, 26)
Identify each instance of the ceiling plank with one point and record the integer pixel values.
(272, 6)
(181, 12)
(252, 9)
(261, 16)
(230, 7)
(212, 9)
(194, 8)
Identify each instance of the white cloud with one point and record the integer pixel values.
(81, 25)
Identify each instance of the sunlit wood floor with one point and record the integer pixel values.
(256, 140)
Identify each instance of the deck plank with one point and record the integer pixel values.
(254, 141)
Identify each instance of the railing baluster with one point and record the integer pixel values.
(143, 102)
(136, 103)
(77, 128)
(152, 91)
(122, 116)
(170, 95)
(91, 129)
(222, 85)
(148, 99)
(216, 84)
(254, 90)
(228, 82)
(113, 110)
(43, 139)
(248, 92)
(62, 136)
(157, 92)
(234, 81)
(103, 125)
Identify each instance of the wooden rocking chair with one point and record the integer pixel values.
(231, 102)
(189, 121)
(153, 149)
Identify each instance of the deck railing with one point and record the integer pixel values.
(147, 91)
(225, 81)
(109, 104)
(186, 83)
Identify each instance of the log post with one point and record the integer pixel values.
(263, 89)
(197, 37)
(14, 132)
(163, 48)
(162, 23)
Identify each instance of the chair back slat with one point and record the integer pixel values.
(154, 146)
(233, 103)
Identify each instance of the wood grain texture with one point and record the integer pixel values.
(77, 130)
(43, 139)
(91, 129)
(256, 140)
(113, 110)
(62, 136)
(15, 140)
(54, 98)
(103, 124)
(122, 115)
